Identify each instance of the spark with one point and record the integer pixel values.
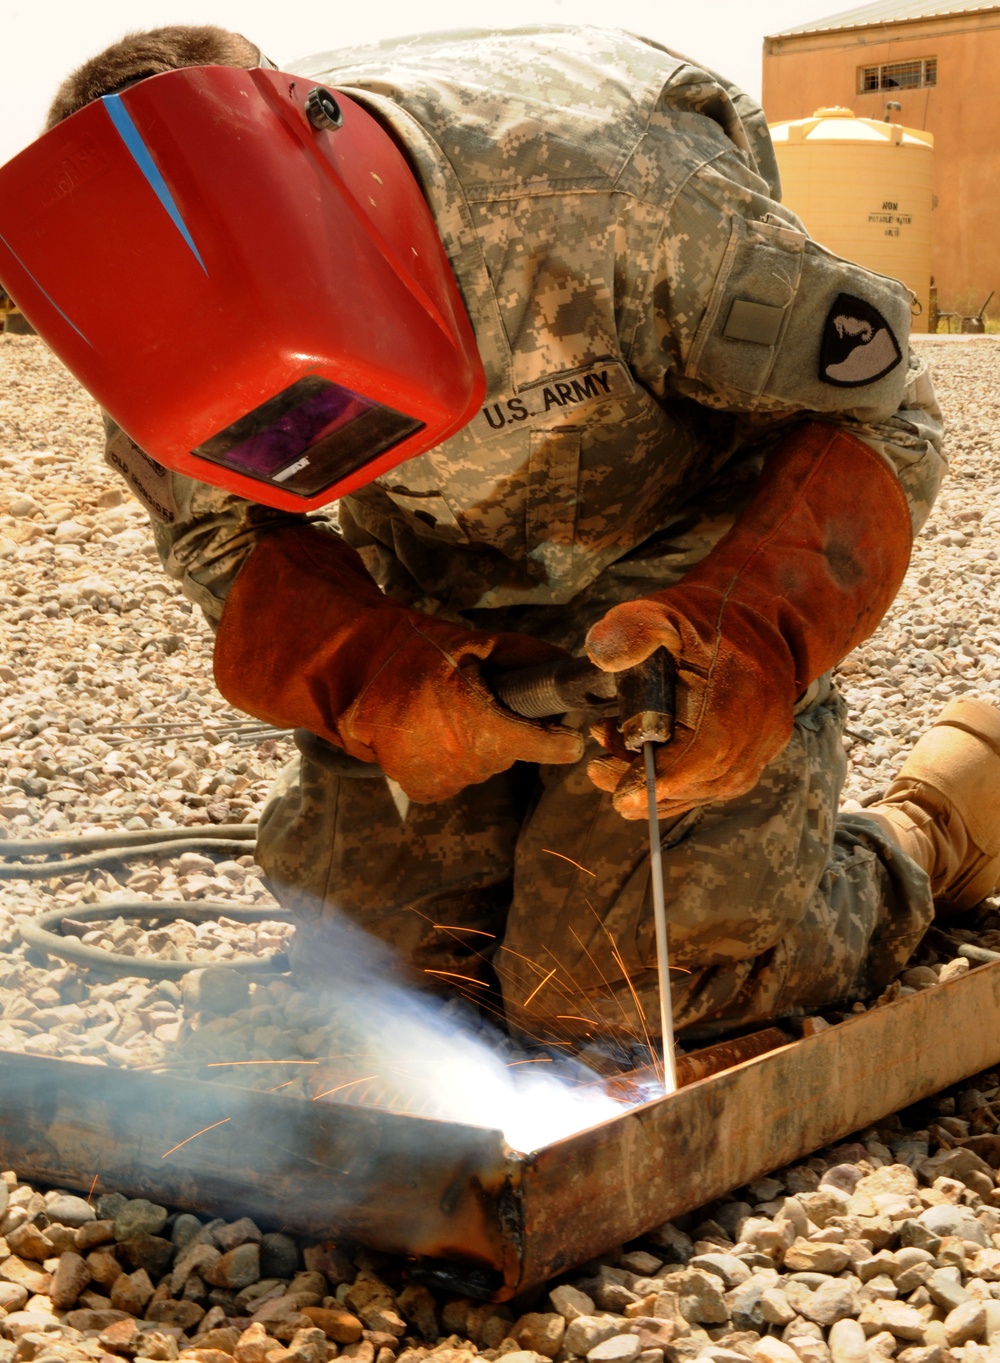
(469, 979)
(191, 1138)
(481, 1002)
(538, 986)
(613, 993)
(478, 955)
(570, 993)
(542, 1060)
(617, 957)
(454, 927)
(92, 1187)
(604, 978)
(345, 1055)
(562, 856)
(526, 959)
(495, 964)
(219, 1064)
(576, 1017)
(348, 1085)
(658, 1070)
(281, 1086)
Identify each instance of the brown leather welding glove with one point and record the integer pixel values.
(308, 641)
(804, 576)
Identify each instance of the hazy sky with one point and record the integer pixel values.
(42, 42)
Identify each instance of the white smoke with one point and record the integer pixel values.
(415, 1053)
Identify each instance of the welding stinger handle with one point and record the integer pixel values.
(553, 688)
(647, 701)
(645, 694)
(645, 697)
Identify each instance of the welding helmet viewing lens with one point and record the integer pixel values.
(247, 277)
(311, 436)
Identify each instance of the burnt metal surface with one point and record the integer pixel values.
(480, 1218)
(408, 1185)
(608, 1185)
(725, 1054)
(633, 1086)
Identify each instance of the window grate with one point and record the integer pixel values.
(911, 75)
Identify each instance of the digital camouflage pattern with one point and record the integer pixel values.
(763, 920)
(650, 320)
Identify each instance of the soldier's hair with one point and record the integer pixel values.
(138, 55)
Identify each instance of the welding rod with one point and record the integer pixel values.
(646, 703)
(660, 923)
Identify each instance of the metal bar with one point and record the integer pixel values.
(723, 1055)
(409, 1185)
(608, 1185)
(482, 1219)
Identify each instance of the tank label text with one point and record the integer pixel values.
(889, 218)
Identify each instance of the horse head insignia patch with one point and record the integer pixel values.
(858, 344)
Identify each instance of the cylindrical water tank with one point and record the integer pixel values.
(863, 189)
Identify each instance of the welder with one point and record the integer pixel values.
(526, 306)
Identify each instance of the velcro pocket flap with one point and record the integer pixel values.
(781, 306)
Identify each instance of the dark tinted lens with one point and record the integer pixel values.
(308, 437)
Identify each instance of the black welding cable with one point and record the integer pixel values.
(42, 932)
(114, 846)
(46, 870)
(108, 849)
(123, 837)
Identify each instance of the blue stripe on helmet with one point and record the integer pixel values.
(47, 295)
(132, 138)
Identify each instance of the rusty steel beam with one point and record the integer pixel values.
(408, 1185)
(608, 1185)
(633, 1086)
(475, 1215)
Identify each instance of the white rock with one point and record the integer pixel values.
(847, 1341)
(619, 1349)
(585, 1332)
(771, 1350)
(570, 1302)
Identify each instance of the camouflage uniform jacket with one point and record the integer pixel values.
(648, 316)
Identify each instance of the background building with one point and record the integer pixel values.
(929, 64)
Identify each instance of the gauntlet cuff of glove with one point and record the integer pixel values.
(307, 640)
(804, 576)
(816, 559)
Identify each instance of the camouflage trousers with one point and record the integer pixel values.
(532, 884)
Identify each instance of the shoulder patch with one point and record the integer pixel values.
(858, 344)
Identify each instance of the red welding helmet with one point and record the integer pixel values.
(242, 270)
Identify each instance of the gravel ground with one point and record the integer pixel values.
(942, 637)
(887, 1247)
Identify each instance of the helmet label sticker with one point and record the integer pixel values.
(858, 344)
(150, 482)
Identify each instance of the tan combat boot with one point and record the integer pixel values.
(943, 808)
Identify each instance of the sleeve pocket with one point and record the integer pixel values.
(775, 299)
